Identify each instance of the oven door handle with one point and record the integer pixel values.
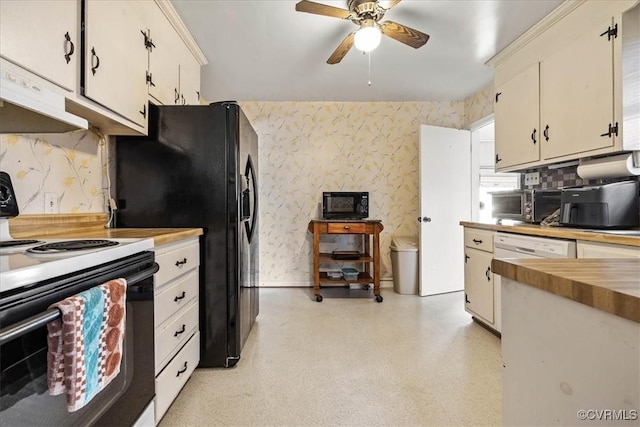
(34, 322)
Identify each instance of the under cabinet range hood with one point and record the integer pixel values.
(29, 107)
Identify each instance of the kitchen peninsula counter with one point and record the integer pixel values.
(570, 340)
(611, 285)
(557, 232)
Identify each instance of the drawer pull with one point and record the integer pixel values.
(179, 263)
(176, 333)
(476, 241)
(183, 370)
(346, 227)
(176, 299)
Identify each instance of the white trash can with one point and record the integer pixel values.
(404, 262)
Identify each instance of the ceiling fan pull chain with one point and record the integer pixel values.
(369, 68)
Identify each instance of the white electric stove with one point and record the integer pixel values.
(20, 266)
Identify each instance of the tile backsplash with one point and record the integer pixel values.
(565, 177)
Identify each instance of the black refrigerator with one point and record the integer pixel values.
(198, 167)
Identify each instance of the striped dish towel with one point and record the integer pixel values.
(85, 344)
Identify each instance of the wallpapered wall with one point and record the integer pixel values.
(305, 148)
(70, 166)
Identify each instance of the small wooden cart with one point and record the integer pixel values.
(370, 230)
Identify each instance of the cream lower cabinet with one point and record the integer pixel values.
(606, 250)
(478, 277)
(176, 319)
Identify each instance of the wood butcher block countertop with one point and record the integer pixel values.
(610, 285)
(90, 226)
(557, 232)
(160, 236)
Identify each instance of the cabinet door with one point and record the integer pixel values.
(517, 130)
(116, 58)
(164, 57)
(606, 250)
(478, 283)
(576, 91)
(42, 36)
(189, 78)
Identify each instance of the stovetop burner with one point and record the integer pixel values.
(14, 243)
(71, 245)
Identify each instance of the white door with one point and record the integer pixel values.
(445, 200)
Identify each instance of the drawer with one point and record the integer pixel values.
(478, 239)
(346, 228)
(177, 294)
(175, 375)
(175, 260)
(169, 339)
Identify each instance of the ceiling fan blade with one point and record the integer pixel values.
(322, 9)
(404, 34)
(386, 5)
(341, 50)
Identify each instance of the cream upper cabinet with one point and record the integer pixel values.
(577, 54)
(189, 79)
(517, 113)
(164, 44)
(116, 58)
(42, 37)
(174, 72)
(576, 95)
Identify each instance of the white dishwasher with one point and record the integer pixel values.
(507, 245)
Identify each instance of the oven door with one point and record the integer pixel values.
(24, 396)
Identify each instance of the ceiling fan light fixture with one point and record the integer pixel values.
(368, 37)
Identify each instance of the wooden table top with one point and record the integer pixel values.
(610, 285)
(558, 232)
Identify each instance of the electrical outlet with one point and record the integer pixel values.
(51, 203)
(532, 178)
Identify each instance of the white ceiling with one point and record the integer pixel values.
(263, 50)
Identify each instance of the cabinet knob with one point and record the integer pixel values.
(533, 136)
(346, 227)
(546, 133)
(488, 274)
(424, 219)
(179, 263)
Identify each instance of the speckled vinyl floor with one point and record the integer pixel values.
(408, 361)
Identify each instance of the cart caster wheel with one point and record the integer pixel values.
(319, 298)
(367, 287)
(378, 298)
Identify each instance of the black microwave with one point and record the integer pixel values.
(345, 204)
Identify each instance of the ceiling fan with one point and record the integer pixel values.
(365, 14)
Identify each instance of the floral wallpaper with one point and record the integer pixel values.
(478, 106)
(69, 168)
(306, 148)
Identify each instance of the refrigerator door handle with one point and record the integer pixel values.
(246, 209)
(250, 175)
